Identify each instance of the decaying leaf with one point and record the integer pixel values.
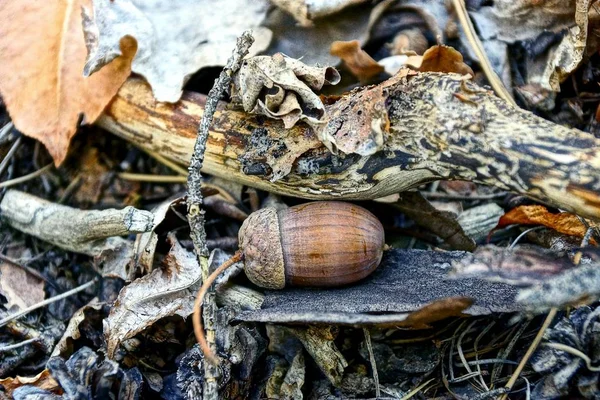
(43, 381)
(162, 293)
(304, 11)
(443, 224)
(405, 281)
(72, 331)
(283, 88)
(574, 287)
(358, 61)
(363, 133)
(20, 288)
(42, 52)
(441, 58)
(565, 222)
(522, 266)
(173, 40)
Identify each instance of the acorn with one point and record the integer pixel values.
(318, 244)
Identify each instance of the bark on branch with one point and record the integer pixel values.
(441, 127)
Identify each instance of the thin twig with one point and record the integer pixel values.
(372, 361)
(129, 176)
(417, 389)
(465, 21)
(10, 154)
(18, 345)
(575, 352)
(44, 303)
(25, 178)
(536, 341)
(194, 200)
(166, 162)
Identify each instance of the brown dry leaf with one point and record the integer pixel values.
(20, 288)
(435, 311)
(64, 347)
(282, 88)
(164, 292)
(441, 58)
(43, 381)
(443, 224)
(358, 61)
(42, 54)
(565, 222)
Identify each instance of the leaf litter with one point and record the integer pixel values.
(426, 313)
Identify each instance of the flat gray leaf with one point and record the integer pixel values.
(406, 281)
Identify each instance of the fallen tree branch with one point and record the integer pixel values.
(81, 231)
(441, 127)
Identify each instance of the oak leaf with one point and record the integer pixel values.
(42, 54)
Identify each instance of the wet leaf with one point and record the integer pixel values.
(441, 58)
(173, 40)
(358, 61)
(42, 54)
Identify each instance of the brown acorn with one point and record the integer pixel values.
(326, 243)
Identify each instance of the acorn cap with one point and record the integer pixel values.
(259, 240)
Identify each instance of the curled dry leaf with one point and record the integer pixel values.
(283, 88)
(43, 381)
(42, 54)
(441, 58)
(173, 40)
(358, 61)
(164, 292)
(305, 11)
(72, 332)
(565, 222)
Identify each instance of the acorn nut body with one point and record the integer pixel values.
(325, 243)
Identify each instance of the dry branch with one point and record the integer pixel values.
(441, 127)
(81, 231)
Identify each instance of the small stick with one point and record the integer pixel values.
(463, 16)
(11, 152)
(129, 176)
(44, 303)
(25, 178)
(195, 213)
(197, 316)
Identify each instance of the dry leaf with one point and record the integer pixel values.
(304, 11)
(358, 61)
(19, 287)
(282, 88)
(174, 39)
(164, 292)
(574, 287)
(42, 53)
(441, 58)
(522, 266)
(43, 381)
(565, 222)
(443, 224)
(64, 346)
(435, 311)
